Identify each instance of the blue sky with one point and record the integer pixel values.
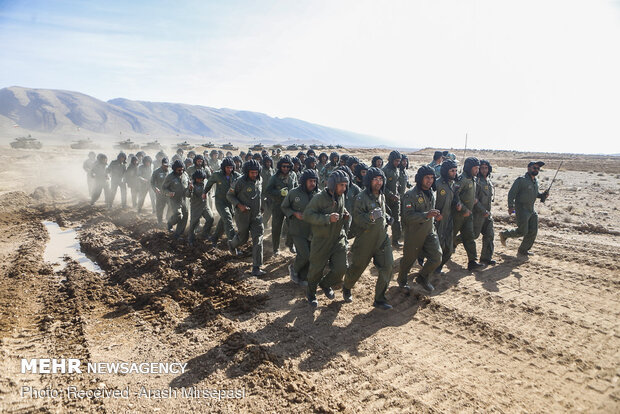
(525, 75)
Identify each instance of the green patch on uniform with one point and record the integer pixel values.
(420, 199)
(442, 192)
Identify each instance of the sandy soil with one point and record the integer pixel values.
(535, 336)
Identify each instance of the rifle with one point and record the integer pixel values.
(552, 181)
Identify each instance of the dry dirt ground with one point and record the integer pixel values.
(536, 336)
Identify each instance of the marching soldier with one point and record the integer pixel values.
(465, 190)
(283, 181)
(245, 196)
(377, 162)
(445, 203)
(483, 220)
(87, 166)
(223, 177)
(100, 176)
(198, 206)
(326, 214)
(370, 222)
(361, 170)
(418, 214)
(176, 186)
(392, 194)
(157, 181)
(117, 169)
(265, 175)
(145, 171)
(293, 207)
(438, 158)
(404, 175)
(521, 199)
(199, 164)
(130, 178)
(334, 157)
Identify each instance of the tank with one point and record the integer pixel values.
(185, 145)
(127, 144)
(257, 147)
(209, 145)
(84, 144)
(26, 143)
(292, 147)
(153, 145)
(230, 147)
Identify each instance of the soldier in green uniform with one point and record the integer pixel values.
(392, 194)
(323, 160)
(376, 162)
(521, 199)
(418, 215)
(199, 164)
(277, 156)
(283, 181)
(224, 177)
(445, 203)
(265, 175)
(483, 220)
(100, 176)
(145, 171)
(87, 166)
(370, 222)
(116, 170)
(157, 181)
(326, 214)
(245, 196)
(465, 191)
(131, 179)
(349, 198)
(293, 207)
(176, 186)
(334, 158)
(360, 171)
(438, 158)
(403, 183)
(199, 207)
(213, 162)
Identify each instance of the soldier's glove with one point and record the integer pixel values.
(284, 191)
(543, 196)
(375, 214)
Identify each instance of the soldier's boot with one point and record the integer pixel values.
(346, 294)
(524, 255)
(312, 301)
(424, 283)
(257, 271)
(397, 244)
(473, 265)
(439, 271)
(293, 274)
(329, 292)
(381, 305)
(276, 252)
(404, 286)
(421, 261)
(233, 250)
(502, 238)
(489, 262)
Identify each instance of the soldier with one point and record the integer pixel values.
(301, 156)
(310, 163)
(187, 163)
(224, 178)
(352, 162)
(310, 153)
(87, 166)
(199, 164)
(176, 186)
(445, 203)
(248, 156)
(157, 181)
(278, 155)
(327, 170)
(293, 206)
(343, 160)
(144, 184)
(238, 160)
(178, 155)
(438, 158)
(465, 190)
(361, 170)
(245, 196)
(377, 162)
(130, 179)
(199, 207)
(521, 199)
(160, 156)
(418, 215)
(296, 165)
(392, 195)
(191, 156)
(140, 156)
(100, 176)
(349, 198)
(213, 162)
(265, 175)
(370, 222)
(403, 183)
(117, 169)
(323, 159)
(278, 187)
(483, 220)
(326, 214)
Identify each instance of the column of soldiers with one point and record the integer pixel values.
(318, 205)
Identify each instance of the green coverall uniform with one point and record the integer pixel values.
(296, 201)
(222, 205)
(465, 191)
(177, 202)
(392, 197)
(274, 190)
(199, 208)
(247, 192)
(484, 225)
(161, 200)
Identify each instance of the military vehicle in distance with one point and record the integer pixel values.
(292, 147)
(257, 147)
(26, 143)
(153, 145)
(230, 147)
(209, 145)
(84, 144)
(127, 144)
(185, 145)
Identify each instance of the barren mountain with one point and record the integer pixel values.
(57, 112)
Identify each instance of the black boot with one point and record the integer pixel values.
(381, 305)
(346, 294)
(423, 281)
(256, 271)
(473, 265)
(329, 292)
